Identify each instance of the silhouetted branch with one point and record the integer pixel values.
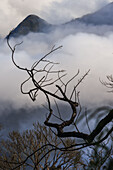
(61, 95)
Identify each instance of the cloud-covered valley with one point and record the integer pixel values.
(84, 47)
(81, 50)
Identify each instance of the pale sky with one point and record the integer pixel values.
(54, 11)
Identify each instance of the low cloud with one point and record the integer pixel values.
(84, 47)
(20, 119)
(81, 50)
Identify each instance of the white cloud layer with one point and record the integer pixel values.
(80, 50)
(84, 47)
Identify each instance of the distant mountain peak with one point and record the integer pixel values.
(32, 16)
(32, 19)
(31, 23)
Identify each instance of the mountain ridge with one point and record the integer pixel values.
(100, 17)
(35, 24)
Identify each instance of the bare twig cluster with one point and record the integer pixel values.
(109, 83)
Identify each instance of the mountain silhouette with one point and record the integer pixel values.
(35, 24)
(31, 23)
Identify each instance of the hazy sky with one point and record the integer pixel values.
(54, 11)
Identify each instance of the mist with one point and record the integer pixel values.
(81, 50)
(84, 47)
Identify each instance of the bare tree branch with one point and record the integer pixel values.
(41, 85)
